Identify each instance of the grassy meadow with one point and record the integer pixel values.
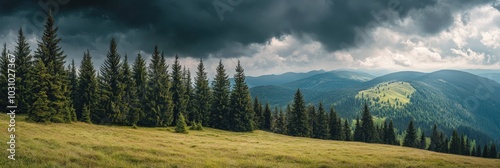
(87, 145)
(395, 94)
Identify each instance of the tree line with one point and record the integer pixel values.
(120, 94)
(306, 121)
(159, 94)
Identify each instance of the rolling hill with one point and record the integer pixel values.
(452, 99)
(492, 76)
(88, 145)
(266, 80)
(311, 86)
(330, 80)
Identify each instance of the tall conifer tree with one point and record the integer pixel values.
(241, 111)
(131, 104)
(112, 87)
(347, 131)
(202, 96)
(188, 95)
(87, 100)
(334, 125)
(40, 111)
(159, 111)
(140, 75)
(410, 139)
(52, 56)
(391, 136)
(3, 78)
(267, 118)
(358, 134)
(73, 82)
(313, 124)
(24, 70)
(368, 128)
(322, 131)
(298, 118)
(423, 144)
(220, 103)
(455, 145)
(177, 90)
(258, 115)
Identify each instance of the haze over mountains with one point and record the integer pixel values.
(450, 98)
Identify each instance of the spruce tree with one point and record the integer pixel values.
(485, 151)
(313, 125)
(368, 129)
(241, 111)
(442, 145)
(220, 103)
(140, 75)
(298, 120)
(478, 150)
(87, 100)
(391, 136)
(385, 137)
(131, 104)
(463, 144)
(181, 126)
(410, 139)
(202, 96)
(347, 131)
(188, 95)
(40, 111)
(159, 111)
(267, 118)
(52, 56)
(358, 135)
(493, 151)
(281, 122)
(73, 86)
(445, 145)
(3, 79)
(274, 119)
(423, 144)
(322, 121)
(468, 148)
(473, 151)
(434, 139)
(99, 115)
(24, 70)
(258, 114)
(455, 145)
(177, 90)
(112, 87)
(333, 125)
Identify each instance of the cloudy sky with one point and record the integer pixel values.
(274, 36)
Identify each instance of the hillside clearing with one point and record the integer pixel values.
(393, 94)
(87, 145)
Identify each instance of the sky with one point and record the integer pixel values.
(272, 36)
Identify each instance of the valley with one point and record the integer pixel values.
(443, 97)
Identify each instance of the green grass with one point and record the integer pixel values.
(87, 145)
(394, 94)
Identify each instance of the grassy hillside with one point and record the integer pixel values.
(86, 145)
(393, 94)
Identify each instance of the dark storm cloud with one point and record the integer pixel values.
(193, 28)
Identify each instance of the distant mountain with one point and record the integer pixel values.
(452, 99)
(481, 71)
(492, 76)
(330, 80)
(265, 80)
